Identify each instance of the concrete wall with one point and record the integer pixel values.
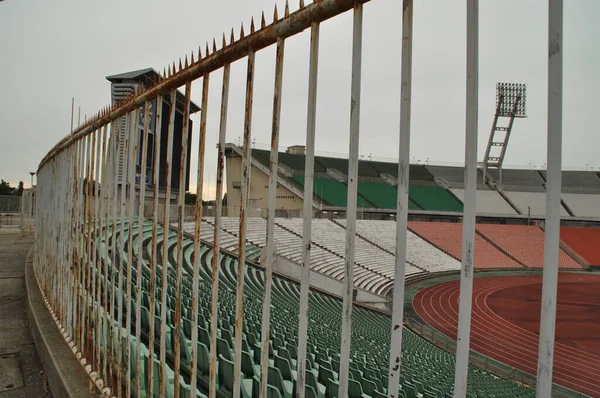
(259, 188)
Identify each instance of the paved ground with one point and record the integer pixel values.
(21, 373)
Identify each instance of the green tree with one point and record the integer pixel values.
(5, 188)
(19, 190)
(190, 198)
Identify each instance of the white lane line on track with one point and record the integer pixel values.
(446, 289)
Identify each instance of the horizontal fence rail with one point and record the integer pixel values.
(151, 308)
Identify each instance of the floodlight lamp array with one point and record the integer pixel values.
(511, 99)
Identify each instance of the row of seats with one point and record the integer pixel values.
(427, 371)
(584, 241)
(418, 251)
(288, 244)
(496, 245)
(525, 243)
(448, 237)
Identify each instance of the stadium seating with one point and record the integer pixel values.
(332, 237)
(419, 251)
(586, 182)
(434, 198)
(294, 162)
(583, 205)
(454, 177)
(488, 202)
(383, 196)
(585, 241)
(426, 369)
(324, 259)
(525, 243)
(448, 237)
(333, 192)
(518, 180)
(533, 203)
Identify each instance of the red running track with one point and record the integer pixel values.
(505, 323)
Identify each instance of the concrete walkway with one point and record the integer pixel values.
(21, 373)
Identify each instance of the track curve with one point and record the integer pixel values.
(505, 322)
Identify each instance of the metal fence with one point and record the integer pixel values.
(98, 258)
(10, 204)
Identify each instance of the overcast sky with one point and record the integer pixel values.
(52, 51)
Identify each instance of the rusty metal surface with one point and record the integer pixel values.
(269, 257)
(154, 248)
(140, 259)
(180, 206)
(197, 231)
(165, 246)
(217, 233)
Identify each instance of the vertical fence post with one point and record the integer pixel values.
(352, 198)
(143, 150)
(269, 258)
(214, 290)
(130, 184)
(154, 248)
(395, 363)
(197, 228)
(165, 246)
(180, 219)
(107, 183)
(96, 248)
(468, 232)
(308, 205)
(114, 272)
(239, 313)
(553, 188)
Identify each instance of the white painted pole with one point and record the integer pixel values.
(553, 186)
(402, 205)
(309, 171)
(468, 233)
(352, 199)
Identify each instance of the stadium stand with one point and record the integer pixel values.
(488, 202)
(333, 191)
(448, 237)
(536, 201)
(434, 198)
(418, 251)
(288, 244)
(518, 180)
(427, 371)
(332, 237)
(454, 177)
(586, 182)
(294, 162)
(523, 242)
(383, 195)
(585, 242)
(583, 205)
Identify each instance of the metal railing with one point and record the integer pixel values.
(96, 252)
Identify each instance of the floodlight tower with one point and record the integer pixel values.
(510, 104)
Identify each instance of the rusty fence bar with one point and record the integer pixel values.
(217, 235)
(139, 300)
